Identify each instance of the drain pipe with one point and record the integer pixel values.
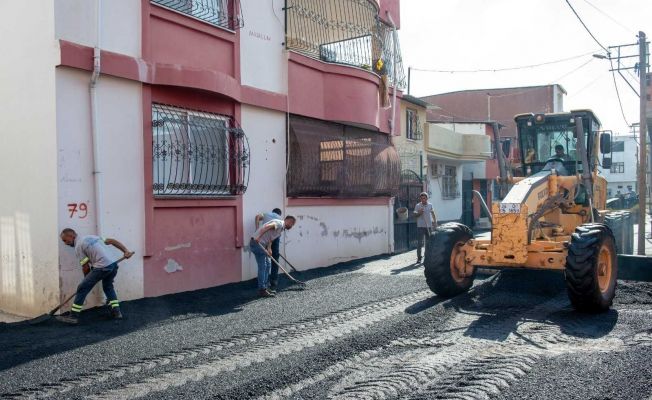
(95, 129)
(395, 50)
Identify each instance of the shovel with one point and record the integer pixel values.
(293, 279)
(46, 317)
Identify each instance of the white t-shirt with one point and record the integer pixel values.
(424, 220)
(92, 249)
(270, 235)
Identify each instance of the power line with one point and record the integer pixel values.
(585, 27)
(613, 74)
(504, 69)
(574, 70)
(609, 16)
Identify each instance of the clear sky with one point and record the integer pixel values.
(489, 34)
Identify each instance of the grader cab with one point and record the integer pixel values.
(552, 218)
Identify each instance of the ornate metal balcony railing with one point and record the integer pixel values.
(197, 154)
(344, 32)
(334, 160)
(223, 13)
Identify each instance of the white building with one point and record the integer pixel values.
(621, 178)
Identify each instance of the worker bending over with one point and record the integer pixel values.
(98, 265)
(260, 245)
(265, 217)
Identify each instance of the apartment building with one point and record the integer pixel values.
(169, 124)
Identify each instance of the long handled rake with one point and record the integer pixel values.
(293, 279)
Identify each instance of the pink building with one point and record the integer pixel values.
(170, 124)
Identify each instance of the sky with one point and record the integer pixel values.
(490, 34)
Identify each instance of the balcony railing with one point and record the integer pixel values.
(222, 13)
(344, 32)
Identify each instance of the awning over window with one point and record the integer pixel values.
(334, 160)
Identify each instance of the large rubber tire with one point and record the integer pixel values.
(437, 262)
(591, 268)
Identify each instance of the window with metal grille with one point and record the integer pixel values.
(449, 189)
(344, 32)
(216, 12)
(618, 168)
(197, 153)
(333, 160)
(413, 128)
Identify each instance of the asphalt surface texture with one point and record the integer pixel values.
(364, 330)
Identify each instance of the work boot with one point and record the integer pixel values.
(70, 319)
(272, 289)
(115, 313)
(265, 293)
(419, 260)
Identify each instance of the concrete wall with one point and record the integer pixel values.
(121, 164)
(411, 151)
(266, 133)
(75, 21)
(326, 235)
(28, 215)
(446, 209)
(263, 61)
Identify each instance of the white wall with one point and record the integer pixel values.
(464, 128)
(265, 131)
(121, 163)
(28, 216)
(262, 56)
(326, 235)
(121, 24)
(629, 158)
(446, 209)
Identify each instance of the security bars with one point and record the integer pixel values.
(197, 154)
(223, 13)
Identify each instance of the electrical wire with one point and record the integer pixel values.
(628, 29)
(574, 70)
(585, 27)
(613, 74)
(503, 69)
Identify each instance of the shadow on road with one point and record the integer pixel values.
(515, 298)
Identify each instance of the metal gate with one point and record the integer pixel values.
(405, 231)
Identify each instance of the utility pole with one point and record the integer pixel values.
(642, 71)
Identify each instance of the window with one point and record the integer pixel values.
(618, 168)
(334, 160)
(449, 188)
(215, 12)
(618, 146)
(413, 129)
(196, 153)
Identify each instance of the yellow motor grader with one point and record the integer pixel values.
(552, 218)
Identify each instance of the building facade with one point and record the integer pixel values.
(621, 177)
(499, 105)
(169, 124)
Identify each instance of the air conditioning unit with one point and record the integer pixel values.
(436, 170)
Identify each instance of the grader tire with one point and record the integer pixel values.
(591, 268)
(441, 277)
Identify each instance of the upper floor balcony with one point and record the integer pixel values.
(445, 143)
(345, 32)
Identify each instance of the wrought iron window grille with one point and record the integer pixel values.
(197, 154)
(345, 32)
(413, 127)
(334, 160)
(223, 13)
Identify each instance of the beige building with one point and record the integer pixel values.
(409, 144)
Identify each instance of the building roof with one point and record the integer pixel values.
(490, 89)
(415, 100)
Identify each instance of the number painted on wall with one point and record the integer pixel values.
(79, 210)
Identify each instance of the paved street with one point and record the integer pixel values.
(370, 330)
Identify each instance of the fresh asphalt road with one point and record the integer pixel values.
(367, 330)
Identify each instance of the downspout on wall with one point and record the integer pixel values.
(95, 129)
(395, 50)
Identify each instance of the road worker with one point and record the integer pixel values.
(98, 265)
(265, 217)
(260, 245)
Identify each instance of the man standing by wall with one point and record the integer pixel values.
(260, 245)
(426, 221)
(265, 217)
